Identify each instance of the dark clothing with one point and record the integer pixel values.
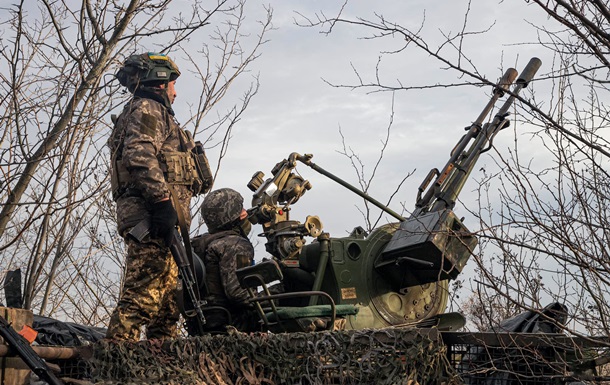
(223, 253)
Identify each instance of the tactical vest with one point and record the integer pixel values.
(189, 166)
(216, 294)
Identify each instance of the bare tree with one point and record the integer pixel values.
(365, 179)
(58, 89)
(553, 222)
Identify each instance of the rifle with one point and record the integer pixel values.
(27, 354)
(433, 244)
(141, 233)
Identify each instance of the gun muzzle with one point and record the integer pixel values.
(505, 82)
(528, 73)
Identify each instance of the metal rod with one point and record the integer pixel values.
(324, 254)
(352, 188)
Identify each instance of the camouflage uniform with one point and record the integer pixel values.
(148, 295)
(223, 253)
(145, 130)
(225, 249)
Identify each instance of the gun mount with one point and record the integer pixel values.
(399, 272)
(342, 267)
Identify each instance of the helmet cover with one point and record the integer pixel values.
(147, 69)
(221, 208)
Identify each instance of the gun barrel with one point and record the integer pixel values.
(529, 71)
(307, 161)
(447, 186)
(505, 82)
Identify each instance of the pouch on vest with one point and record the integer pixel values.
(178, 167)
(203, 169)
(119, 175)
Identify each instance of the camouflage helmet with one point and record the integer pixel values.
(147, 69)
(221, 208)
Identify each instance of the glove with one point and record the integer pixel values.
(163, 221)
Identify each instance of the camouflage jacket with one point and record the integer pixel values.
(142, 133)
(224, 253)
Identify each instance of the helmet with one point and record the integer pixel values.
(147, 69)
(221, 207)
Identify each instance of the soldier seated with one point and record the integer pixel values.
(224, 249)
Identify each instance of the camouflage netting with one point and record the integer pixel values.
(387, 356)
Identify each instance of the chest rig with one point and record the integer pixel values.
(188, 166)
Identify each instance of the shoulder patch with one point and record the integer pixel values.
(148, 125)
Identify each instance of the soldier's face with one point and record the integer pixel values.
(171, 91)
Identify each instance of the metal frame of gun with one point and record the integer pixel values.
(431, 245)
(27, 354)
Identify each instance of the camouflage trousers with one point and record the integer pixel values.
(148, 297)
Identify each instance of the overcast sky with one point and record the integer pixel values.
(296, 111)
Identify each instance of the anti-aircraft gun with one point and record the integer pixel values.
(433, 244)
(397, 274)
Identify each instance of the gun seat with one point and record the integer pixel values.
(283, 318)
(286, 313)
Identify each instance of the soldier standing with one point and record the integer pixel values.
(224, 249)
(155, 172)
